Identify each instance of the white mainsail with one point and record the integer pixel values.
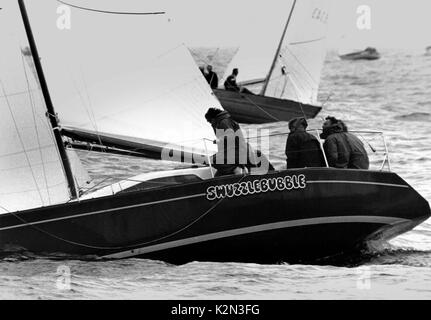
(295, 72)
(121, 75)
(31, 171)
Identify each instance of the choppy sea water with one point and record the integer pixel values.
(392, 95)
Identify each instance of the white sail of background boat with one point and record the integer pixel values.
(289, 70)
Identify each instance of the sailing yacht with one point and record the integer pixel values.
(285, 78)
(175, 215)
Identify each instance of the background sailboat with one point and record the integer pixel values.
(286, 75)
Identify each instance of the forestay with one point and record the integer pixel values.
(31, 171)
(126, 76)
(294, 73)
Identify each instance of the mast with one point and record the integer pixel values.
(265, 86)
(48, 101)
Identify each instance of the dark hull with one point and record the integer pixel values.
(256, 109)
(336, 213)
(360, 56)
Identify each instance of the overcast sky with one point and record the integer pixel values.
(394, 23)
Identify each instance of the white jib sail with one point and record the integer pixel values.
(297, 70)
(31, 172)
(125, 76)
(83, 180)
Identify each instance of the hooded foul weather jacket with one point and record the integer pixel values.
(343, 149)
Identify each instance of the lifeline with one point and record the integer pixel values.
(256, 186)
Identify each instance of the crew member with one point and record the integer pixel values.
(211, 77)
(343, 149)
(302, 148)
(231, 85)
(233, 151)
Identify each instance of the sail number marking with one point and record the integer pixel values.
(320, 15)
(256, 186)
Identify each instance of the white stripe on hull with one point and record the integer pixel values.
(359, 182)
(103, 211)
(258, 228)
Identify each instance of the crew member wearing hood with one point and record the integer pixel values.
(343, 149)
(302, 148)
(237, 153)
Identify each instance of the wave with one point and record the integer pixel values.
(415, 116)
(385, 253)
(410, 257)
(379, 253)
(24, 255)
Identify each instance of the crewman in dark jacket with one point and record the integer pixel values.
(235, 155)
(231, 85)
(211, 77)
(343, 149)
(302, 148)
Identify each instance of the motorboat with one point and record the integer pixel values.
(367, 54)
(183, 215)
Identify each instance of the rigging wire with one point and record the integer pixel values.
(22, 142)
(36, 128)
(286, 81)
(89, 109)
(171, 93)
(119, 247)
(302, 65)
(260, 108)
(209, 59)
(157, 97)
(214, 55)
(307, 82)
(110, 12)
(307, 41)
(311, 82)
(297, 97)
